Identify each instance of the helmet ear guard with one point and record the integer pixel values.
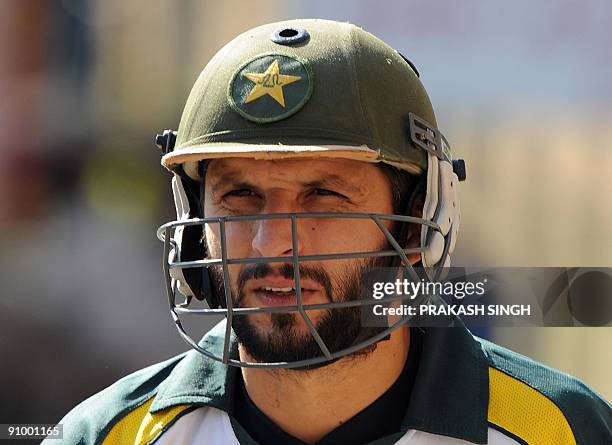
(441, 207)
(189, 244)
(188, 241)
(441, 201)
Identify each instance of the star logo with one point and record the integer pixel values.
(270, 82)
(270, 87)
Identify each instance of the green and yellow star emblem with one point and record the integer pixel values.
(270, 87)
(269, 82)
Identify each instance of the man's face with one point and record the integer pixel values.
(250, 187)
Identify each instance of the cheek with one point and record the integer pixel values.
(232, 237)
(211, 234)
(238, 239)
(344, 236)
(238, 244)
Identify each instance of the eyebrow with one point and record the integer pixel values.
(234, 178)
(333, 180)
(226, 175)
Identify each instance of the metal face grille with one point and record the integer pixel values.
(166, 234)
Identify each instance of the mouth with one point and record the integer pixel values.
(282, 292)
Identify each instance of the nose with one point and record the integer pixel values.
(273, 237)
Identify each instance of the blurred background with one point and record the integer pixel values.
(522, 91)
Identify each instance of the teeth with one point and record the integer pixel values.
(279, 289)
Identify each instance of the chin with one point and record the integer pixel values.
(268, 325)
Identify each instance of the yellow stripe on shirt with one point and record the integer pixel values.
(525, 412)
(140, 427)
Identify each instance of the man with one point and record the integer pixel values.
(308, 154)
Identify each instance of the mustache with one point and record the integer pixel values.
(286, 270)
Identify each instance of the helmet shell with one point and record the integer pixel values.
(352, 99)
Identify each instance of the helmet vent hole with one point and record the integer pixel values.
(288, 33)
(289, 36)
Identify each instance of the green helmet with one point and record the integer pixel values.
(304, 88)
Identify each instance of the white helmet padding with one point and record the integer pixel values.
(183, 212)
(441, 207)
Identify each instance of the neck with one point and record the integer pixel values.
(324, 398)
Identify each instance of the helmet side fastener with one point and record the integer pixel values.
(165, 141)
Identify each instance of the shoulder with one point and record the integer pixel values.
(539, 404)
(93, 420)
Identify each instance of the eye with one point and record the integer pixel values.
(327, 192)
(240, 193)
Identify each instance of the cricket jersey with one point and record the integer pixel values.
(466, 390)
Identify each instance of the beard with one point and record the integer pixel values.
(285, 340)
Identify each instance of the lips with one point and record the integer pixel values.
(279, 291)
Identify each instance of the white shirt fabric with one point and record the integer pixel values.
(211, 426)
